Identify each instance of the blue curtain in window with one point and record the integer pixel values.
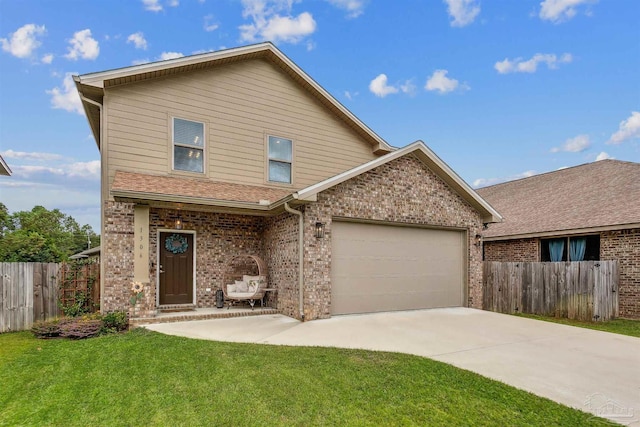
(577, 248)
(556, 248)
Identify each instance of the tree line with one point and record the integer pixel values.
(42, 235)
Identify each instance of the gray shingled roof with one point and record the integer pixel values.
(600, 194)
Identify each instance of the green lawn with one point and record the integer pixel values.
(616, 326)
(145, 378)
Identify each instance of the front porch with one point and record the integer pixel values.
(204, 313)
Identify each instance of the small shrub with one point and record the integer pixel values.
(81, 328)
(115, 321)
(48, 329)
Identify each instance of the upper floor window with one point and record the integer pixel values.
(580, 248)
(280, 159)
(188, 145)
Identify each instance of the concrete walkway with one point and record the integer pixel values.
(594, 371)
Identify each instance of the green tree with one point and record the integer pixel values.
(41, 235)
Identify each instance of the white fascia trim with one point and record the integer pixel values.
(97, 79)
(310, 193)
(563, 233)
(138, 195)
(4, 168)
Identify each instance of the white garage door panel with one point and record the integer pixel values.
(384, 268)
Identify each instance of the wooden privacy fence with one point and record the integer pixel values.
(28, 293)
(34, 291)
(585, 290)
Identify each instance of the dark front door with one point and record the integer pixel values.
(176, 268)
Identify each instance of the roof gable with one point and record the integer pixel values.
(91, 86)
(592, 196)
(423, 153)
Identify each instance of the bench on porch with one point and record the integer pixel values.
(245, 280)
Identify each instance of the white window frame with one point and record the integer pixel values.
(269, 160)
(177, 144)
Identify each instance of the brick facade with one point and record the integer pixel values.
(620, 245)
(517, 250)
(403, 191)
(218, 237)
(624, 245)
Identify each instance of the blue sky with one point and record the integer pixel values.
(499, 89)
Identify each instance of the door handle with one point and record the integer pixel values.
(160, 270)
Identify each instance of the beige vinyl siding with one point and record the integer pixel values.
(240, 104)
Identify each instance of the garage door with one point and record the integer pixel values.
(385, 268)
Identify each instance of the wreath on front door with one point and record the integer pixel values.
(176, 244)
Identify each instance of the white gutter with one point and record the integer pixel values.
(100, 145)
(300, 256)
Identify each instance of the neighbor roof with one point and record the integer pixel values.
(4, 167)
(591, 197)
(91, 86)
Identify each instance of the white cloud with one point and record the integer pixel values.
(462, 12)
(152, 5)
(82, 45)
(209, 25)
(269, 24)
(289, 29)
(485, 182)
(170, 55)
(140, 61)
(408, 87)
(574, 145)
(354, 8)
(518, 65)
(443, 84)
(47, 58)
(24, 41)
(380, 88)
(31, 156)
(558, 11)
(628, 129)
(173, 3)
(90, 170)
(603, 156)
(138, 40)
(66, 98)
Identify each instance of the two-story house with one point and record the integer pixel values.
(239, 151)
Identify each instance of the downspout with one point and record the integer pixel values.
(300, 256)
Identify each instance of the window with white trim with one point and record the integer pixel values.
(280, 159)
(188, 145)
(575, 248)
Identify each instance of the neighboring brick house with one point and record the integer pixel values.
(240, 152)
(587, 212)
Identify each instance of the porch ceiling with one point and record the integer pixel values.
(197, 194)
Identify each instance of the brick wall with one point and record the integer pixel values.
(117, 256)
(403, 190)
(218, 237)
(516, 250)
(281, 256)
(624, 246)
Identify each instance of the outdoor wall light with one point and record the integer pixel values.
(178, 224)
(319, 230)
(478, 240)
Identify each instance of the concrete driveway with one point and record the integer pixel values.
(594, 371)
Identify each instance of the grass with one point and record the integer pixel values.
(616, 326)
(145, 378)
